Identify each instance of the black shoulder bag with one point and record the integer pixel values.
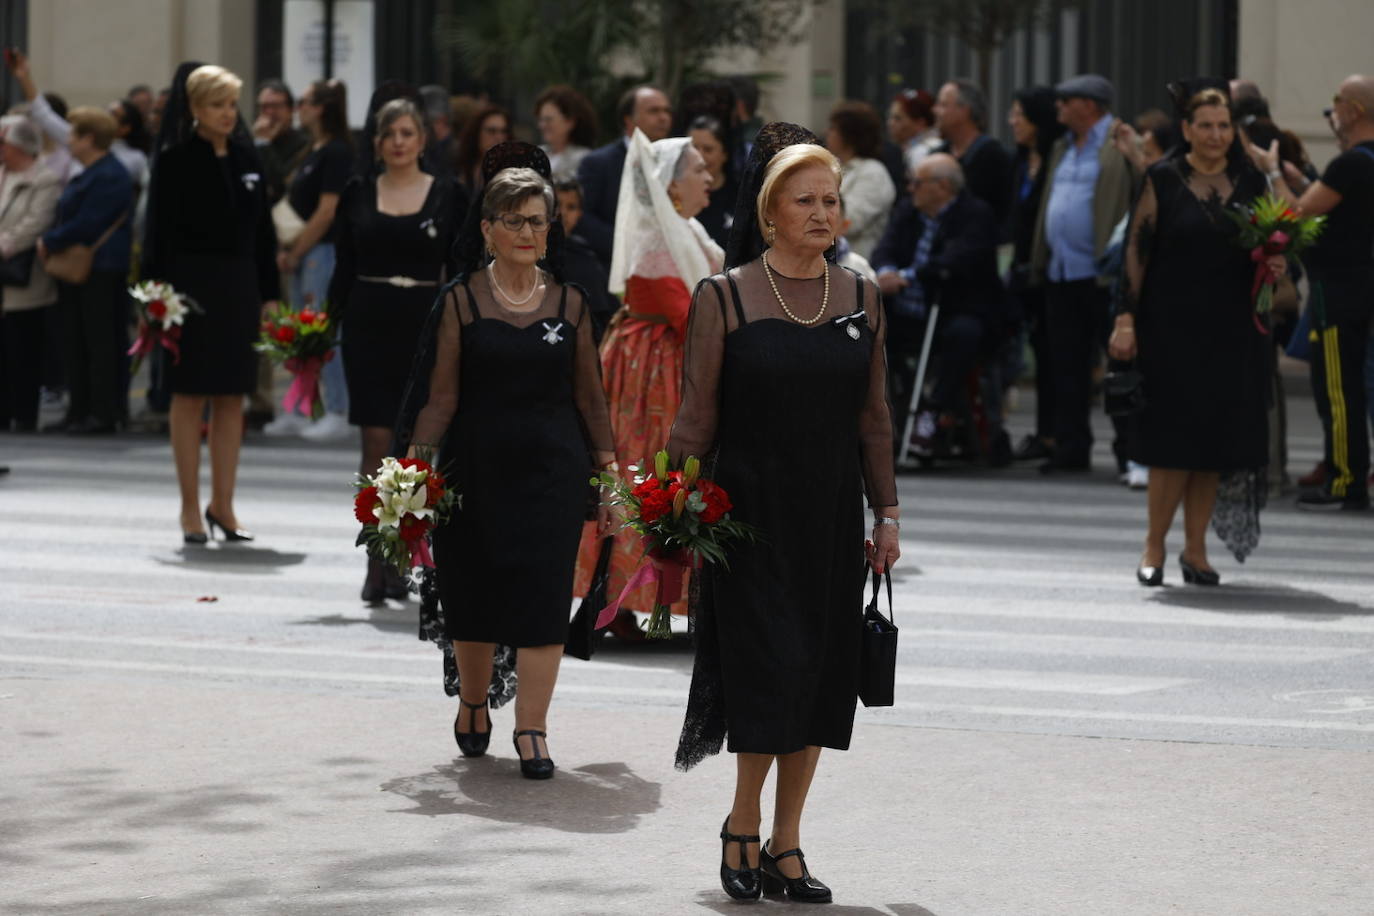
(878, 659)
(582, 631)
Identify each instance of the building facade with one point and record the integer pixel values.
(91, 52)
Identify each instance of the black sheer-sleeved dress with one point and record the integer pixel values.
(387, 272)
(212, 238)
(797, 422)
(1206, 365)
(517, 408)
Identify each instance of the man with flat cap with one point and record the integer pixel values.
(1089, 188)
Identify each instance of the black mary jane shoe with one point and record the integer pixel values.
(1150, 576)
(743, 883)
(473, 743)
(805, 889)
(230, 534)
(1194, 576)
(538, 766)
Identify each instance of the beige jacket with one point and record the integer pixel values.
(28, 207)
(1117, 183)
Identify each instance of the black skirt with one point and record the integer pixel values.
(217, 355)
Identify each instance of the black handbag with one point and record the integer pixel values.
(17, 268)
(878, 659)
(1123, 391)
(582, 635)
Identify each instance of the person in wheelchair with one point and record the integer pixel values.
(940, 245)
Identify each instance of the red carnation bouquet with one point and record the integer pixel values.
(683, 519)
(1270, 227)
(161, 312)
(302, 342)
(398, 507)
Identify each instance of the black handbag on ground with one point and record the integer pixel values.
(1123, 390)
(582, 635)
(17, 268)
(878, 658)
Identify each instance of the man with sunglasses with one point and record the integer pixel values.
(1342, 276)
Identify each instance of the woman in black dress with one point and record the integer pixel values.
(1205, 364)
(210, 236)
(785, 384)
(516, 411)
(1035, 126)
(394, 234)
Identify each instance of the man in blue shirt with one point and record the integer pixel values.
(94, 210)
(1089, 187)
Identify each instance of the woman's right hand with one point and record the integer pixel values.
(1121, 345)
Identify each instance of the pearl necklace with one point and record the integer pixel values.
(825, 295)
(511, 300)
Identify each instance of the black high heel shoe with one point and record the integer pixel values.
(1150, 576)
(743, 883)
(374, 586)
(805, 889)
(538, 766)
(473, 743)
(230, 534)
(1194, 576)
(199, 538)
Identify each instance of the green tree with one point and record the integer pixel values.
(519, 46)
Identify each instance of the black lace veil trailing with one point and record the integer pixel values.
(746, 241)
(469, 256)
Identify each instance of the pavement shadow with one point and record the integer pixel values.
(1269, 599)
(715, 900)
(595, 798)
(388, 618)
(240, 558)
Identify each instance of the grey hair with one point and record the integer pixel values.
(19, 132)
(950, 172)
(396, 109)
(512, 187)
(971, 95)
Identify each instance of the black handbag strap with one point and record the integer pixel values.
(873, 602)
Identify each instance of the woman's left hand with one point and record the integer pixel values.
(605, 518)
(1278, 267)
(285, 263)
(883, 550)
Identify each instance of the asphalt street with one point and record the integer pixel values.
(228, 729)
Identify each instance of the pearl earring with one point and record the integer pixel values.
(772, 232)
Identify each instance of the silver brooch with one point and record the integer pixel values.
(553, 337)
(250, 180)
(428, 226)
(850, 323)
(852, 331)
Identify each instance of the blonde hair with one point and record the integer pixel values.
(96, 123)
(210, 82)
(788, 160)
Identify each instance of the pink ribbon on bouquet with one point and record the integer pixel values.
(667, 571)
(149, 338)
(420, 555)
(305, 386)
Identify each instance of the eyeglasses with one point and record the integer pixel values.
(515, 222)
(1339, 99)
